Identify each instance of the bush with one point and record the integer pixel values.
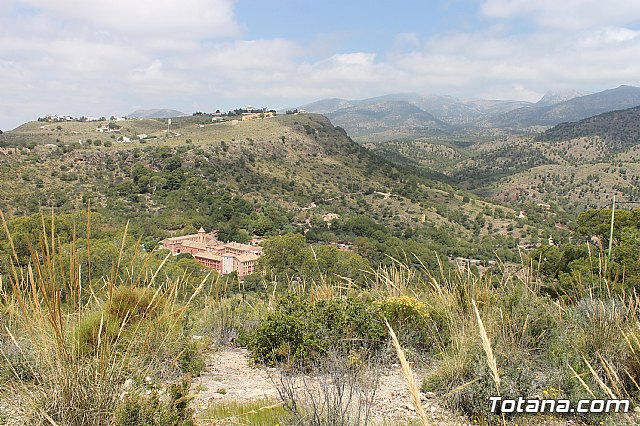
(134, 303)
(152, 410)
(95, 328)
(519, 325)
(299, 330)
(531, 318)
(191, 359)
(51, 328)
(231, 319)
(601, 338)
(464, 367)
(411, 320)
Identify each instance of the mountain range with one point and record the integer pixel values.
(156, 113)
(619, 129)
(409, 114)
(569, 110)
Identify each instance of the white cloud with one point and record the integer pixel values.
(164, 19)
(608, 36)
(255, 55)
(566, 14)
(94, 58)
(407, 41)
(348, 67)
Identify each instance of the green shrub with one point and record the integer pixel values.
(598, 335)
(230, 319)
(95, 327)
(191, 358)
(411, 320)
(530, 319)
(134, 303)
(154, 410)
(465, 374)
(299, 330)
(519, 325)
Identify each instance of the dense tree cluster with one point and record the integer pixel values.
(587, 262)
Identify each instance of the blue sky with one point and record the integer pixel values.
(353, 25)
(88, 58)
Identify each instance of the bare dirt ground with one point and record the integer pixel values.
(229, 376)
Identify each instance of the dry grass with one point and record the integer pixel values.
(486, 346)
(408, 376)
(65, 355)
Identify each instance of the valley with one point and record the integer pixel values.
(522, 153)
(292, 213)
(431, 225)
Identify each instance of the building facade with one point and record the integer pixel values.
(212, 253)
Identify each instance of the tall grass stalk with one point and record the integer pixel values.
(69, 356)
(488, 350)
(407, 373)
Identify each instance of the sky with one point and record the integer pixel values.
(97, 58)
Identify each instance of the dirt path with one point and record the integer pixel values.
(228, 376)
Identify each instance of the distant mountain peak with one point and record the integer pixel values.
(327, 105)
(556, 96)
(156, 113)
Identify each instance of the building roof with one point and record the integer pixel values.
(195, 245)
(207, 255)
(178, 239)
(211, 236)
(243, 247)
(246, 257)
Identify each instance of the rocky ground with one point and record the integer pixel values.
(228, 375)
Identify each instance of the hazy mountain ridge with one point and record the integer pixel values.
(156, 113)
(572, 110)
(447, 109)
(444, 107)
(447, 112)
(327, 105)
(382, 115)
(553, 97)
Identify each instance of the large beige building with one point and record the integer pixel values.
(223, 257)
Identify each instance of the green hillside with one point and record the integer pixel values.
(620, 129)
(261, 177)
(572, 165)
(97, 316)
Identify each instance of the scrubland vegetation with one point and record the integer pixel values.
(118, 347)
(100, 326)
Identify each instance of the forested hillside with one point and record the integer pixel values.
(259, 178)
